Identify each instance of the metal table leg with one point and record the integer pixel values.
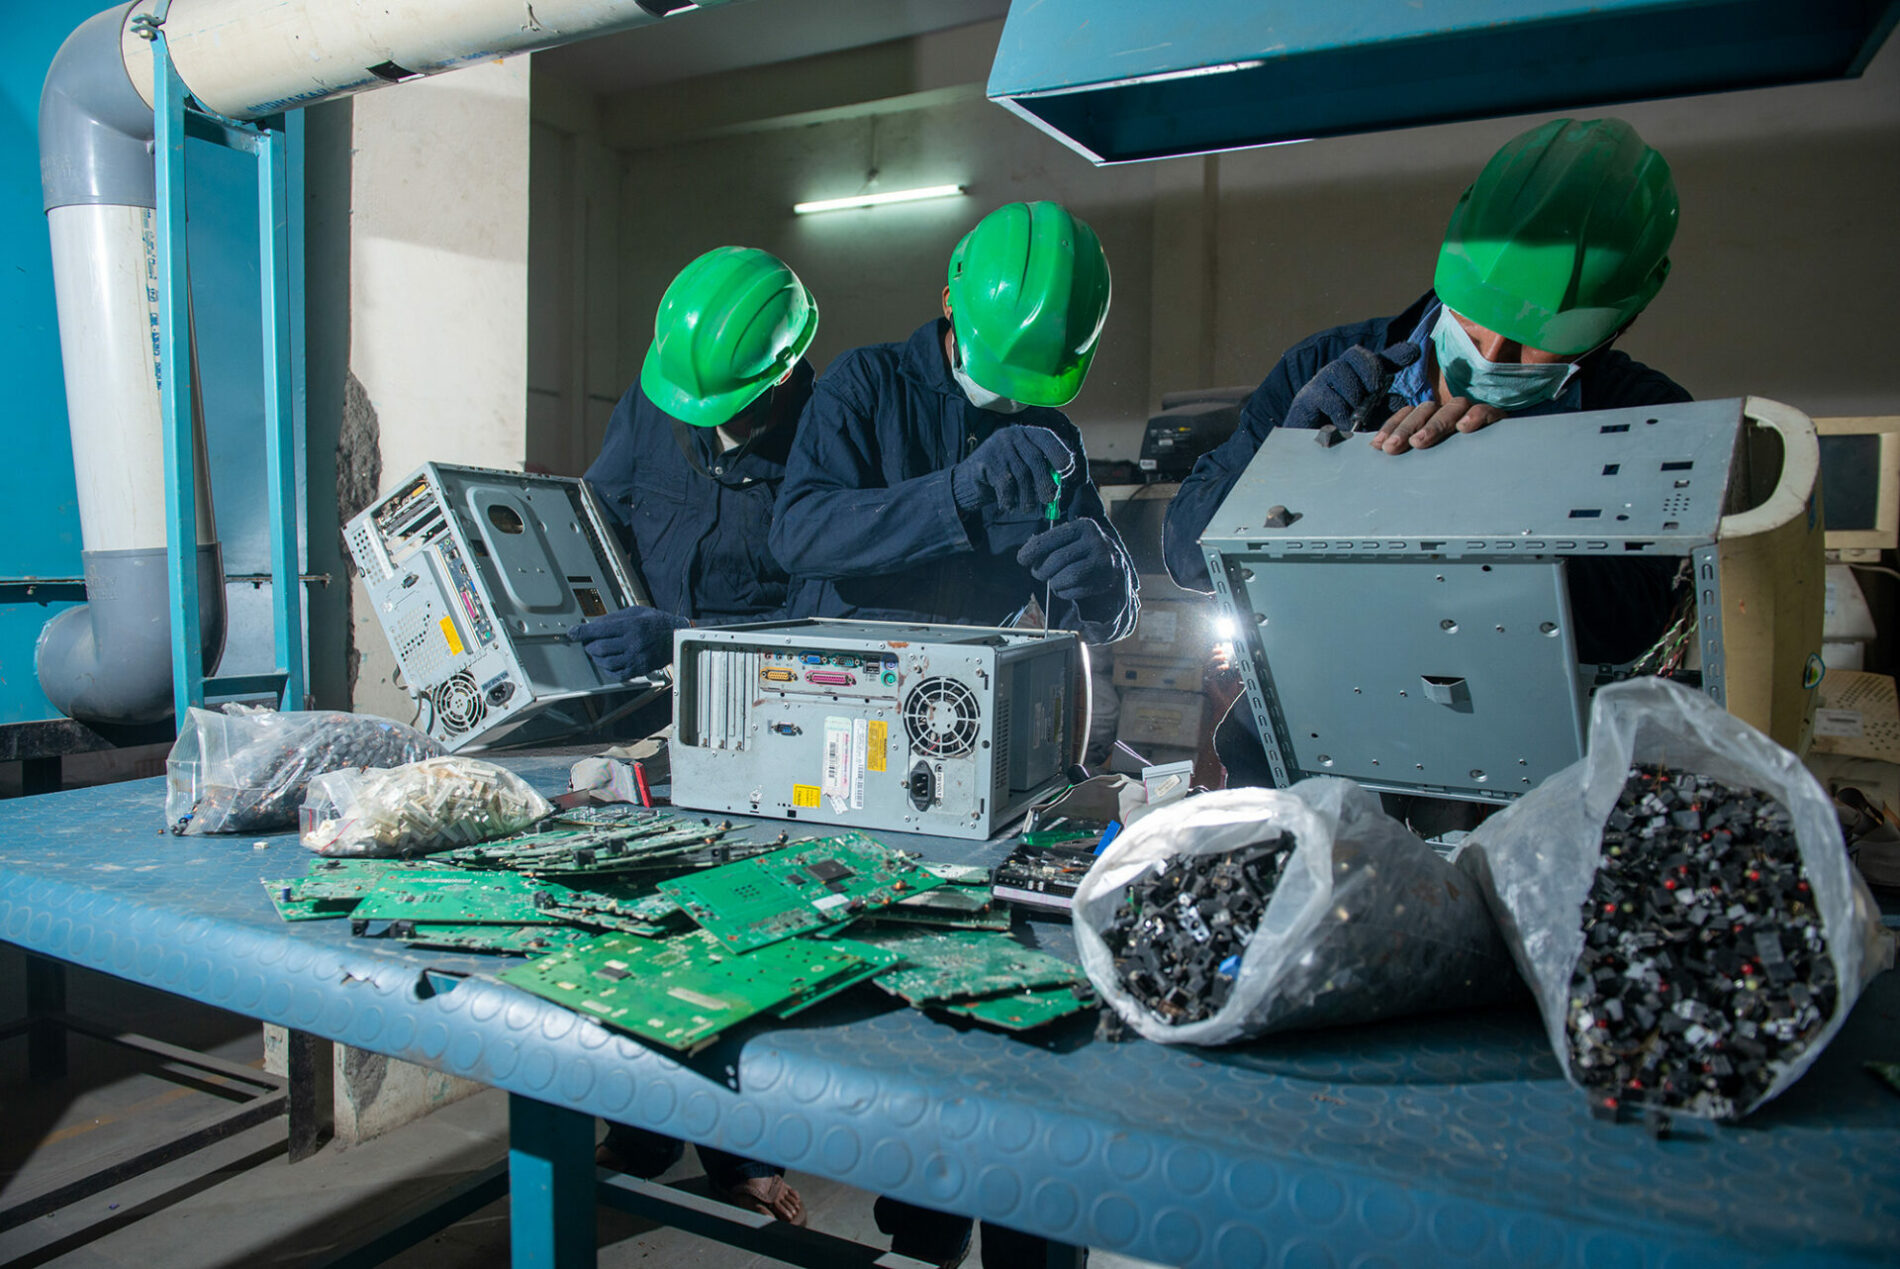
(550, 1186)
(45, 1005)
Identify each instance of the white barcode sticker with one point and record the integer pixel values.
(1838, 722)
(860, 747)
(837, 775)
(829, 902)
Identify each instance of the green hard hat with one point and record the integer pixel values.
(729, 327)
(1564, 236)
(1028, 293)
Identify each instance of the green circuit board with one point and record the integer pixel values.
(630, 907)
(458, 897)
(513, 940)
(798, 889)
(653, 840)
(1026, 1010)
(941, 966)
(684, 991)
(334, 886)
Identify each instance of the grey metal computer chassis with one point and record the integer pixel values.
(877, 725)
(476, 577)
(1406, 624)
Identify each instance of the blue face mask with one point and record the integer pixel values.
(1506, 385)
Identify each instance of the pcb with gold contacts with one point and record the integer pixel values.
(800, 889)
(683, 992)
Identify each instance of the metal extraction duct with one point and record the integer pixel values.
(109, 659)
(1122, 80)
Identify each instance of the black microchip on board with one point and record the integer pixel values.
(829, 870)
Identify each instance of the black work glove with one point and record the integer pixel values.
(1011, 471)
(1349, 389)
(1075, 558)
(629, 643)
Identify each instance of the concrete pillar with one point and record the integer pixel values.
(438, 294)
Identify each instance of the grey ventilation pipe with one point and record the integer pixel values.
(110, 659)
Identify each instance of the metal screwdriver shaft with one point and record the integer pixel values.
(1048, 587)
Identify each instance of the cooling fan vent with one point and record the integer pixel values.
(942, 717)
(458, 703)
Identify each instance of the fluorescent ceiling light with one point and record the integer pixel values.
(877, 200)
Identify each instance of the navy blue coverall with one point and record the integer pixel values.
(866, 523)
(696, 529)
(697, 536)
(1619, 606)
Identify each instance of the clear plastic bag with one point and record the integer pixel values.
(245, 770)
(418, 809)
(1537, 861)
(1365, 922)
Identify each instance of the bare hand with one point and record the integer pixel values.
(1423, 426)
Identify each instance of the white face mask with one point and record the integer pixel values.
(1506, 385)
(981, 397)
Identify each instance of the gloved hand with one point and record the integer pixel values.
(1346, 385)
(1011, 471)
(629, 643)
(1075, 558)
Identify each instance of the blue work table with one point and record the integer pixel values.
(1444, 1140)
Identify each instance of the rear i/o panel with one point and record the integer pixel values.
(878, 725)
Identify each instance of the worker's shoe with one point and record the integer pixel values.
(767, 1195)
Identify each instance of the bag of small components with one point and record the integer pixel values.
(435, 804)
(1682, 906)
(1248, 911)
(245, 770)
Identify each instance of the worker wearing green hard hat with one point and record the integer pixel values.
(733, 323)
(688, 475)
(1550, 255)
(920, 484)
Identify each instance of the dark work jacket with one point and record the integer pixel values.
(1619, 605)
(699, 540)
(866, 524)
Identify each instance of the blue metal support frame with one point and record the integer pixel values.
(174, 119)
(550, 1185)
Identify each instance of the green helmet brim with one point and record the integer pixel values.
(722, 407)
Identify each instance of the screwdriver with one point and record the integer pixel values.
(1052, 513)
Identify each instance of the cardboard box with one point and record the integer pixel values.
(1120, 761)
(1169, 675)
(1171, 629)
(1151, 718)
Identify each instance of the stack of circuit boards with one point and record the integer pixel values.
(610, 905)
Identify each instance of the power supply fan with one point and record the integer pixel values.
(458, 703)
(942, 717)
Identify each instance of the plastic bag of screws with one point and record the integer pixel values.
(1248, 911)
(1683, 907)
(245, 770)
(427, 806)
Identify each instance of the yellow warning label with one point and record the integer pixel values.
(455, 640)
(880, 736)
(805, 795)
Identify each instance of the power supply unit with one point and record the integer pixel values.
(477, 576)
(951, 730)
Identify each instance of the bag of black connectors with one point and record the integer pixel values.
(1681, 904)
(1248, 911)
(245, 770)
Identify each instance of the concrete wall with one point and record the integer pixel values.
(438, 293)
(1785, 265)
